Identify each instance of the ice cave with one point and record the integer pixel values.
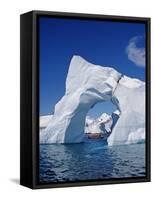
(86, 85)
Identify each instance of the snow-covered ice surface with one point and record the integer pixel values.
(86, 85)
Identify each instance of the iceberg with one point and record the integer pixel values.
(86, 85)
(131, 97)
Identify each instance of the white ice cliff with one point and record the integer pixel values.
(131, 97)
(86, 85)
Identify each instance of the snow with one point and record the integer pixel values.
(106, 121)
(86, 85)
(88, 122)
(93, 128)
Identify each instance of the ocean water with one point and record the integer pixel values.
(90, 161)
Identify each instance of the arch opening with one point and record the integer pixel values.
(101, 119)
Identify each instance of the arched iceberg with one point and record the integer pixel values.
(86, 85)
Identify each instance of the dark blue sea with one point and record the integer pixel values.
(89, 161)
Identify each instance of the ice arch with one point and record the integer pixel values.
(86, 85)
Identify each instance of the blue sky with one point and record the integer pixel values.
(115, 44)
